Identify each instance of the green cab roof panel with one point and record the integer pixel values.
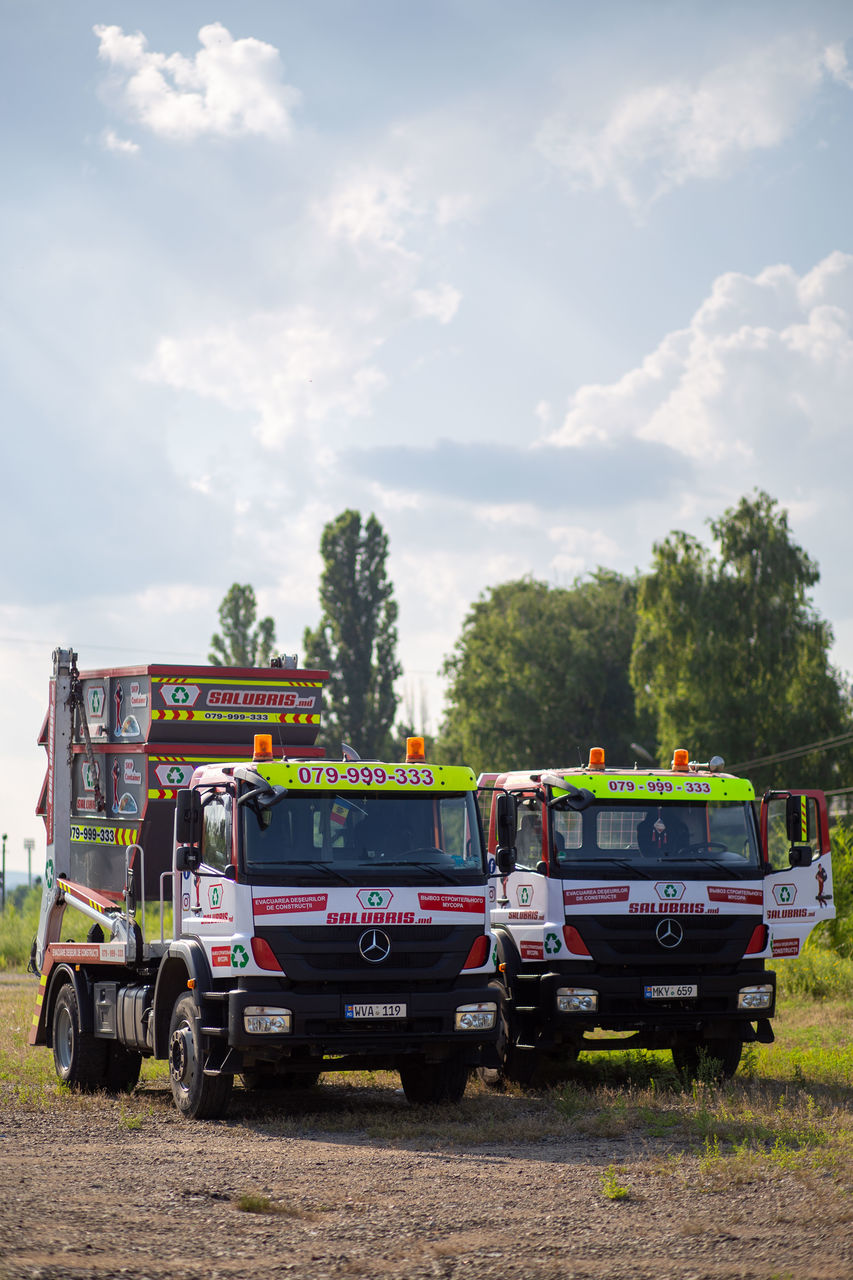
(680, 787)
(373, 775)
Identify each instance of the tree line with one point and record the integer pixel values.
(718, 650)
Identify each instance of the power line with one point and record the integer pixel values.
(840, 740)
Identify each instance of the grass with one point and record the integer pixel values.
(789, 1114)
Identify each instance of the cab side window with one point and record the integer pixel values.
(529, 837)
(216, 833)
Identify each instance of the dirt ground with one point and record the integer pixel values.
(124, 1187)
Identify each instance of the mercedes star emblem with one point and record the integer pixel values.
(375, 946)
(669, 933)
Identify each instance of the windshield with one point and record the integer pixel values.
(347, 834)
(718, 832)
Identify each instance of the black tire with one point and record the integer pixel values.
(260, 1080)
(430, 1083)
(79, 1057)
(517, 1066)
(709, 1060)
(197, 1096)
(123, 1067)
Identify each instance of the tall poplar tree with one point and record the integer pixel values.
(356, 639)
(241, 643)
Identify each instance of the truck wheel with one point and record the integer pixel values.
(713, 1060)
(429, 1083)
(123, 1067)
(80, 1058)
(517, 1066)
(197, 1096)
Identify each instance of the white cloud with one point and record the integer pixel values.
(110, 141)
(665, 135)
(760, 383)
(230, 88)
(290, 368)
(441, 303)
(375, 209)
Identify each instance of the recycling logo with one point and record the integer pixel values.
(670, 890)
(524, 894)
(239, 956)
(214, 893)
(179, 695)
(175, 775)
(374, 899)
(48, 873)
(552, 944)
(784, 894)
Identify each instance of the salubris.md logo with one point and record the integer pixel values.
(374, 899)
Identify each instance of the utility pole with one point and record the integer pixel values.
(3, 878)
(29, 845)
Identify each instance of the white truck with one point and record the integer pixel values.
(644, 908)
(327, 914)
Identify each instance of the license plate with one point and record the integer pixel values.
(374, 1011)
(672, 991)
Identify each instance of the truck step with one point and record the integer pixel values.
(216, 995)
(215, 1031)
(526, 1008)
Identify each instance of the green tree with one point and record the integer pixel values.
(356, 639)
(540, 674)
(242, 643)
(730, 656)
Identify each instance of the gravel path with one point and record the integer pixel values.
(105, 1187)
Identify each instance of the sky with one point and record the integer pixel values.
(536, 284)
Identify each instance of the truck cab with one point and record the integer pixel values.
(327, 915)
(644, 908)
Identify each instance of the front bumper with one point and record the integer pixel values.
(623, 1006)
(321, 1029)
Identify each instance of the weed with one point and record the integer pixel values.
(250, 1202)
(612, 1188)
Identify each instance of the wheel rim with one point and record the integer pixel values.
(182, 1059)
(63, 1039)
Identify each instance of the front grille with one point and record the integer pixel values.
(434, 953)
(626, 941)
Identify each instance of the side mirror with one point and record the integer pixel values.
(188, 817)
(798, 814)
(187, 857)
(576, 799)
(506, 825)
(801, 855)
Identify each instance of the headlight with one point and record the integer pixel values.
(476, 1017)
(576, 1000)
(265, 1020)
(755, 997)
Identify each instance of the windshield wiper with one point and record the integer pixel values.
(424, 866)
(326, 868)
(718, 868)
(632, 868)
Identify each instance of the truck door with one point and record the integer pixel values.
(522, 897)
(798, 887)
